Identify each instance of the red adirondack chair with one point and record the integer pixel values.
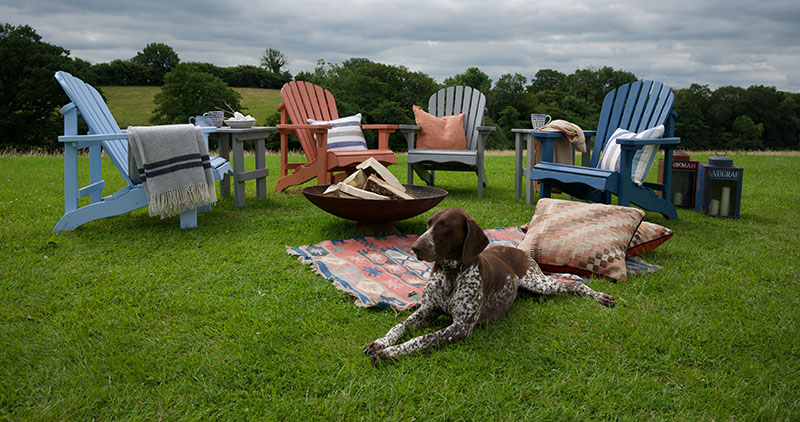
(302, 101)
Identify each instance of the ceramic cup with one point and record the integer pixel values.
(539, 120)
(200, 120)
(216, 117)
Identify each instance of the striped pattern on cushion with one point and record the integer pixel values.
(581, 238)
(346, 134)
(642, 160)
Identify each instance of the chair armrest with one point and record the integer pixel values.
(485, 129)
(87, 141)
(291, 129)
(316, 128)
(409, 131)
(380, 127)
(407, 128)
(92, 138)
(641, 142)
(383, 133)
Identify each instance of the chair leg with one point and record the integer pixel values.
(189, 219)
(544, 190)
(410, 177)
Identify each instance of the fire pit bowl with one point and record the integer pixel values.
(374, 216)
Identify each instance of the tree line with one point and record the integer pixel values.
(728, 118)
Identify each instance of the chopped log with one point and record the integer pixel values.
(371, 165)
(357, 179)
(359, 193)
(379, 186)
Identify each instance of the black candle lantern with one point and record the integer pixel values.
(719, 188)
(684, 179)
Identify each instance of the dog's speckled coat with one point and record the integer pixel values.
(469, 283)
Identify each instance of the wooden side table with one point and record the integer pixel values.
(237, 137)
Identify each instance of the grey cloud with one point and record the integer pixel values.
(714, 42)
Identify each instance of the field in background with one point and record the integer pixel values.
(133, 105)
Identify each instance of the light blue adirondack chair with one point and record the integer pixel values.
(104, 134)
(635, 107)
(448, 102)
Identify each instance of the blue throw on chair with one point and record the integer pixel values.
(104, 134)
(635, 107)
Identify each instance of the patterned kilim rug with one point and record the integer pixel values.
(384, 272)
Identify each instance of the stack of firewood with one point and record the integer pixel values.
(371, 180)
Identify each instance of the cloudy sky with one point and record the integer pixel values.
(679, 42)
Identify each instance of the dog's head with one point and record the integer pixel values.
(452, 235)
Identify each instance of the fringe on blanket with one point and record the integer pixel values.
(175, 201)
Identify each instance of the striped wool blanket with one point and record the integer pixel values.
(172, 163)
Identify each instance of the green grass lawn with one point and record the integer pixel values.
(132, 105)
(131, 317)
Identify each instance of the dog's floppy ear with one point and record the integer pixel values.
(474, 241)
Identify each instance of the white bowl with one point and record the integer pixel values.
(240, 124)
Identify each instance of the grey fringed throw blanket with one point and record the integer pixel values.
(172, 163)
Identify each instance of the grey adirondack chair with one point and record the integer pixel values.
(104, 135)
(636, 106)
(447, 102)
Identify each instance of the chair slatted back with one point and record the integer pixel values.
(302, 101)
(636, 106)
(455, 100)
(97, 116)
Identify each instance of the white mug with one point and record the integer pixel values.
(539, 120)
(216, 117)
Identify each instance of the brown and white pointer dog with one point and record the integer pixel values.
(469, 283)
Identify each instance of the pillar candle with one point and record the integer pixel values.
(677, 198)
(713, 207)
(725, 201)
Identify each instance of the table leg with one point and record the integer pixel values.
(261, 162)
(224, 152)
(238, 169)
(529, 168)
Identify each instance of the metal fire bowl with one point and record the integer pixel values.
(375, 215)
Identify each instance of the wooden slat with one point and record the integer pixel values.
(652, 100)
(641, 106)
(449, 98)
(633, 95)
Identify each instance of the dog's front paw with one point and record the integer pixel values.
(606, 300)
(374, 347)
(381, 356)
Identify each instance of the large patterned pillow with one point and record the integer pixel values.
(648, 237)
(581, 238)
(642, 160)
(345, 135)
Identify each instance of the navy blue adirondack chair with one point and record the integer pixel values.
(636, 107)
(104, 135)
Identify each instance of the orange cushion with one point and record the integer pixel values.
(440, 132)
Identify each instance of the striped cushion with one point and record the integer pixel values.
(581, 238)
(642, 160)
(345, 135)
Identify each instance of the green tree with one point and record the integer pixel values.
(692, 125)
(29, 95)
(546, 80)
(159, 59)
(472, 77)
(187, 92)
(509, 90)
(746, 134)
(274, 61)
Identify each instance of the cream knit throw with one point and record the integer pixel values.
(571, 131)
(172, 163)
